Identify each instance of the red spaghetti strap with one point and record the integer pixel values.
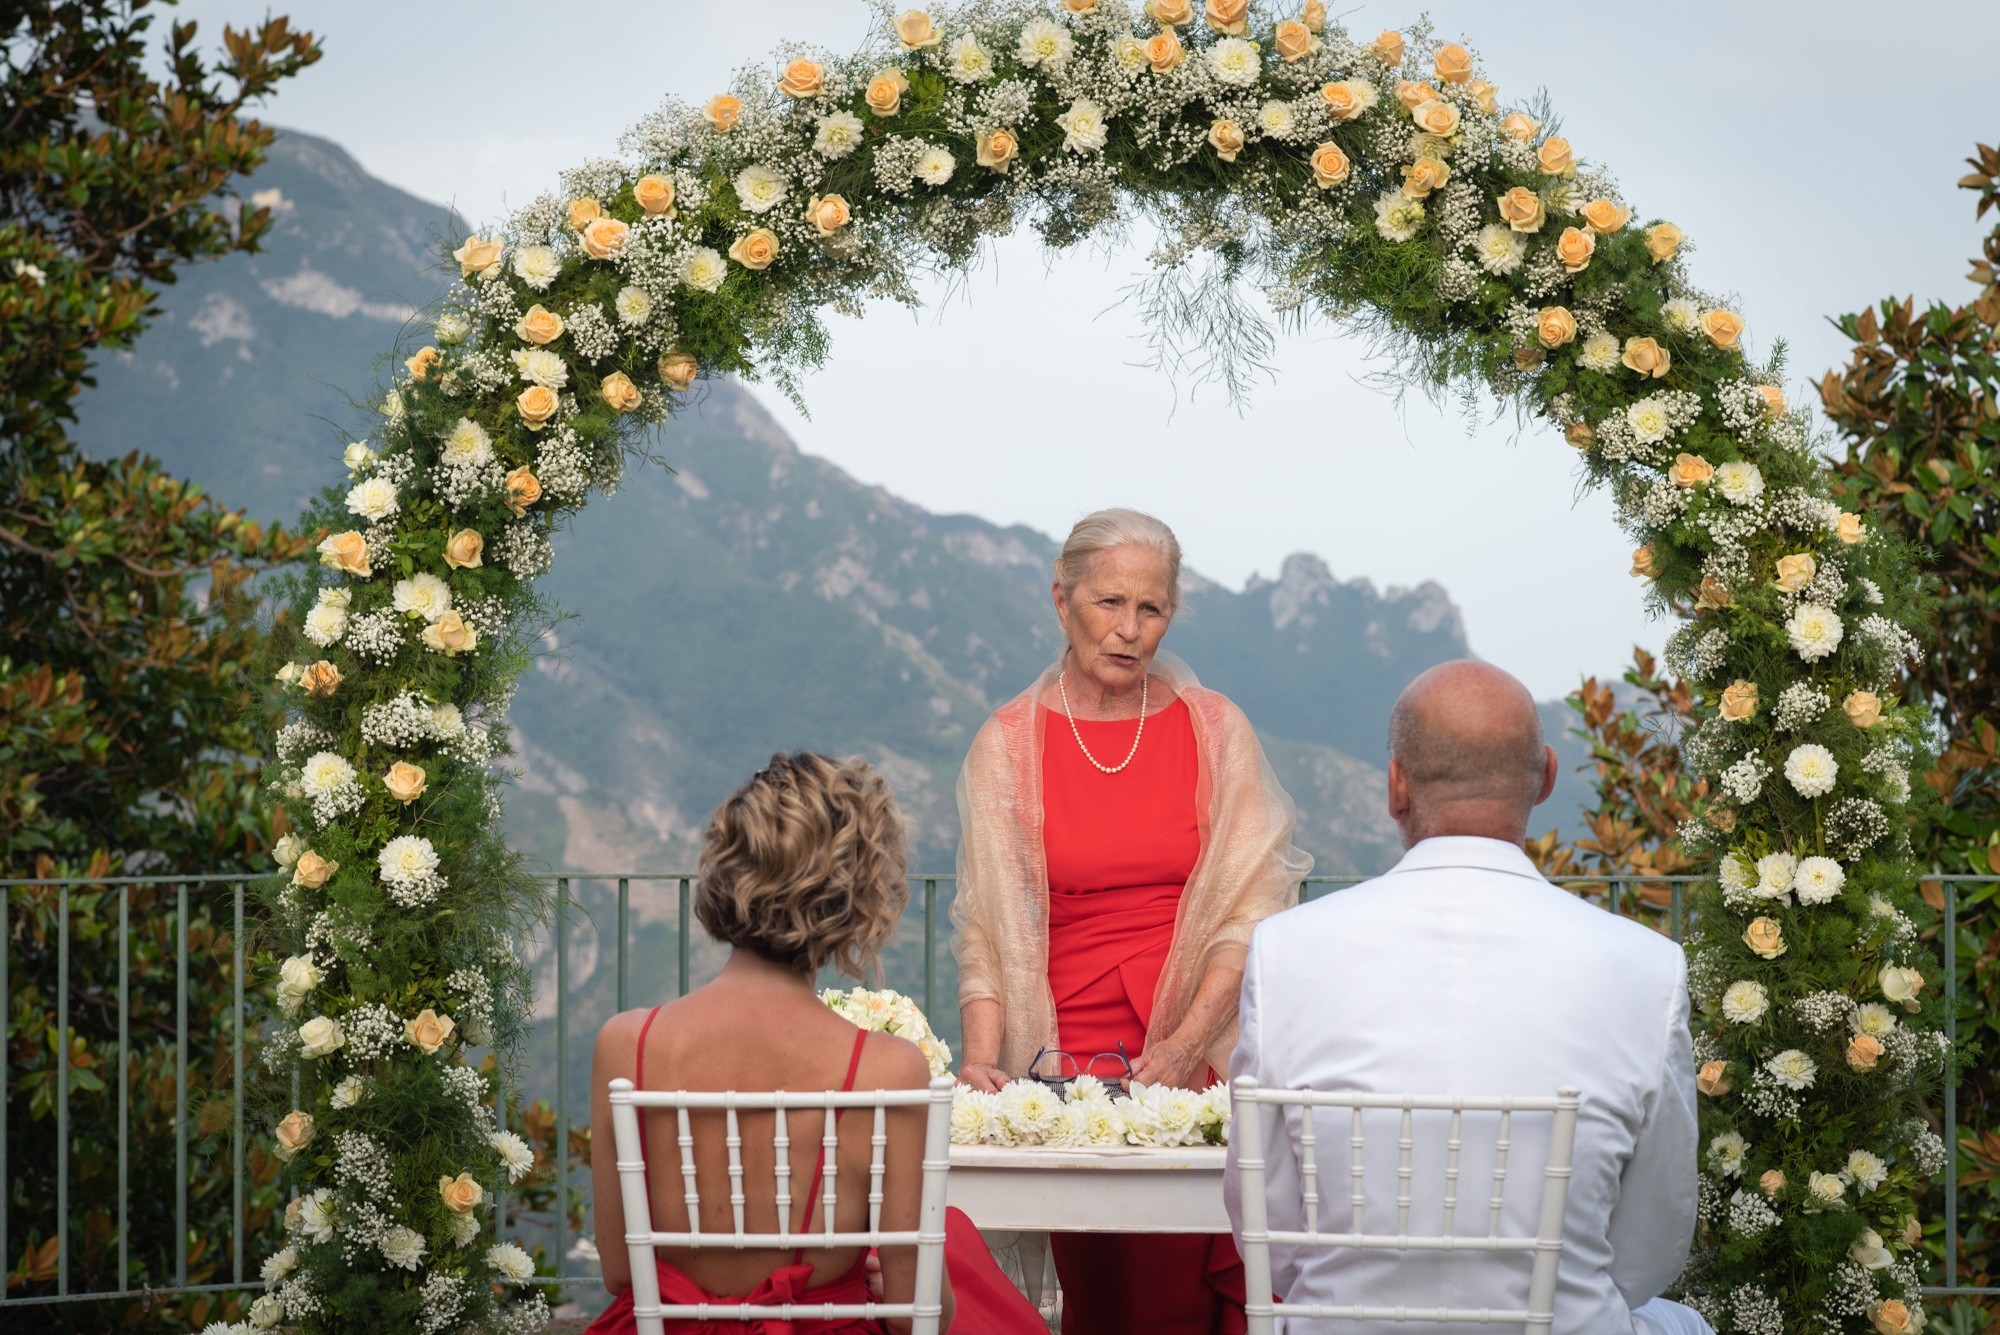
(639, 1083)
(853, 1065)
(819, 1164)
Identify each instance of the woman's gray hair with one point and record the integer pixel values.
(1106, 529)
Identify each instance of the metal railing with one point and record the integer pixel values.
(1614, 891)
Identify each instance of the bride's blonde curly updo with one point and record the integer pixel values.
(804, 865)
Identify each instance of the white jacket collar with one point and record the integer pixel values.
(1458, 850)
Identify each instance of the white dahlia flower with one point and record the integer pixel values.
(1793, 1069)
(1811, 769)
(315, 1217)
(422, 595)
(966, 61)
(1649, 420)
(1044, 45)
(324, 774)
(403, 1247)
(1775, 874)
(1130, 53)
(968, 1115)
(446, 721)
(1235, 62)
(1814, 631)
(468, 446)
(537, 266)
(408, 859)
(515, 1156)
(374, 499)
(935, 166)
(1739, 481)
(1726, 1153)
(1397, 217)
(759, 189)
(1867, 1170)
(1681, 315)
(1818, 881)
(509, 1261)
(1873, 1019)
(634, 307)
(280, 1264)
(1745, 1002)
(704, 269)
(839, 135)
(1084, 126)
(1277, 119)
(1500, 249)
(539, 366)
(325, 624)
(1600, 352)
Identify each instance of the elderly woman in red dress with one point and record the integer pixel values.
(1122, 835)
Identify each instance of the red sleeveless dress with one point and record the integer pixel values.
(987, 1302)
(1120, 849)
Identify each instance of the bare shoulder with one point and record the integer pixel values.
(889, 1062)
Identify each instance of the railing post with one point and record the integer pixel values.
(236, 1102)
(560, 1158)
(124, 1084)
(1951, 1086)
(682, 923)
(62, 1090)
(930, 947)
(1674, 913)
(181, 1086)
(624, 911)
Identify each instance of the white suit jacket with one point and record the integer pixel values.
(1462, 971)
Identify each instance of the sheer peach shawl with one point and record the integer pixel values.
(1248, 868)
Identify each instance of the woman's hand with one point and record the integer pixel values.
(983, 1076)
(1174, 1061)
(872, 1274)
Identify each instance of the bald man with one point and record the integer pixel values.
(1463, 971)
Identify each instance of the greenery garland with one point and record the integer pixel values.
(1381, 181)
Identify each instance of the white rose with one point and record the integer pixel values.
(1826, 1188)
(1818, 880)
(1811, 769)
(299, 973)
(267, 1312)
(320, 1036)
(1900, 985)
(286, 851)
(349, 1092)
(453, 328)
(357, 456)
(1745, 1002)
(374, 499)
(759, 189)
(1869, 1253)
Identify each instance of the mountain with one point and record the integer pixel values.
(750, 597)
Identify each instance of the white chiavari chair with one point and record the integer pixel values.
(926, 1307)
(1258, 1109)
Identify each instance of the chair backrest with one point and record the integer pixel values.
(1256, 1111)
(926, 1308)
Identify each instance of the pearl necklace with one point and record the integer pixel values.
(1078, 733)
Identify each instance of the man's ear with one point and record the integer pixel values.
(1551, 770)
(1399, 791)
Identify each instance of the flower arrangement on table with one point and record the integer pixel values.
(1089, 1115)
(887, 1011)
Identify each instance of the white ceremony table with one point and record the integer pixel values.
(1040, 1191)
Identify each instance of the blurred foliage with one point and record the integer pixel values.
(128, 619)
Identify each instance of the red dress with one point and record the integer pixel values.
(986, 1301)
(1120, 849)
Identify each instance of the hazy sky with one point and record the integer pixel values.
(1809, 151)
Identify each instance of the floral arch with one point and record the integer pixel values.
(1384, 179)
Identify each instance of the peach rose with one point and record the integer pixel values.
(479, 257)
(604, 238)
(322, 678)
(1294, 41)
(885, 92)
(405, 782)
(583, 212)
(1522, 209)
(1555, 326)
(1663, 240)
(1913, 1231)
(1863, 1051)
(755, 249)
(619, 391)
(1713, 1079)
(420, 365)
(1580, 434)
(1555, 157)
(1434, 117)
(678, 369)
(915, 30)
(655, 195)
(1388, 48)
(346, 552)
(828, 213)
(1080, 6)
(1691, 470)
(1739, 701)
(1484, 95)
(1527, 359)
(1714, 593)
(1343, 103)
(1454, 63)
(312, 871)
(1892, 1317)
(1642, 562)
(1647, 358)
(1520, 127)
(802, 78)
(1423, 176)
(1226, 138)
(462, 1194)
(1772, 1182)
(1722, 328)
(1228, 17)
(450, 634)
(1575, 247)
(1863, 709)
(539, 325)
(1774, 400)
(1313, 15)
(538, 403)
(523, 490)
(1849, 528)
(998, 148)
(1163, 53)
(1795, 572)
(463, 550)
(1412, 93)
(1330, 166)
(1765, 938)
(294, 1133)
(1604, 217)
(1722, 818)
(722, 111)
(1171, 13)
